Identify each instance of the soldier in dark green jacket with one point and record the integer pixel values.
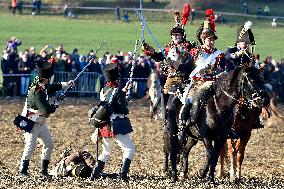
(38, 109)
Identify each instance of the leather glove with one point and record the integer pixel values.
(147, 49)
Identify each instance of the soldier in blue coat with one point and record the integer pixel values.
(119, 126)
(241, 53)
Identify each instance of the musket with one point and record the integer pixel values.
(66, 91)
(133, 66)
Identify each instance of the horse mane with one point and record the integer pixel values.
(228, 81)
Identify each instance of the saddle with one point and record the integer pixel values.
(199, 103)
(171, 80)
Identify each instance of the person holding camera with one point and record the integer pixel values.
(118, 127)
(38, 108)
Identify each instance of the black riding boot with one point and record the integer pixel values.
(44, 167)
(24, 168)
(232, 134)
(258, 124)
(97, 170)
(124, 170)
(185, 113)
(184, 116)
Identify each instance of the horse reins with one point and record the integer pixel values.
(246, 102)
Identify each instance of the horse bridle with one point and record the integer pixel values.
(255, 96)
(248, 102)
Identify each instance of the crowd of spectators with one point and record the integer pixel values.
(273, 73)
(19, 67)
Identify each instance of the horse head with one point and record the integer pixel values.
(252, 88)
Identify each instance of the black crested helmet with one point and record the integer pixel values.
(111, 72)
(45, 67)
(244, 34)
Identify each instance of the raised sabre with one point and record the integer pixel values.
(66, 91)
(132, 68)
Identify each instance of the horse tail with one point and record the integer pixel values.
(274, 109)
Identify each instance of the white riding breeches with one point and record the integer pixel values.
(125, 143)
(42, 133)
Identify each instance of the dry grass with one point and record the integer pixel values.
(263, 165)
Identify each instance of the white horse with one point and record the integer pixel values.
(154, 92)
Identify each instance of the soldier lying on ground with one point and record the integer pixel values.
(77, 164)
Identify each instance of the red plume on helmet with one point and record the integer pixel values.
(179, 26)
(209, 14)
(185, 14)
(207, 28)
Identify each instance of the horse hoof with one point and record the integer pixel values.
(200, 174)
(211, 180)
(235, 180)
(174, 177)
(183, 176)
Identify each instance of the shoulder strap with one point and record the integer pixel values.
(112, 95)
(25, 109)
(212, 57)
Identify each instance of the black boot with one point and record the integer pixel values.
(24, 168)
(44, 167)
(124, 170)
(97, 170)
(185, 113)
(258, 124)
(232, 134)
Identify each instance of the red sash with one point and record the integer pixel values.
(203, 78)
(106, 131)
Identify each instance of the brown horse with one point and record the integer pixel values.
(244, 121)
(246, 115)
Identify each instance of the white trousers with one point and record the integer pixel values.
(125, 143)
(42, 133)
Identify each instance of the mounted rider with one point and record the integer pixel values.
(242, 53)
(177, 62)
(209, 62)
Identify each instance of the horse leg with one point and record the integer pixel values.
(173, 138)
(221, 171)
(204, 169)
(241, 152)
(151, 110)
(173, 157)
(166, 163)
(218, 145)
(185, 153)
(232, 155)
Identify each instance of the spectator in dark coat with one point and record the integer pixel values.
(141, 72)
(24, 67)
